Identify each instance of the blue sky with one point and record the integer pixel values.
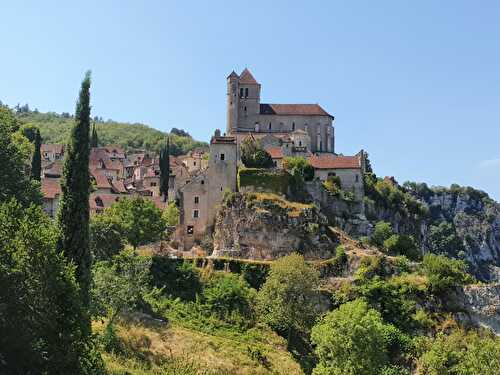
(415, 83)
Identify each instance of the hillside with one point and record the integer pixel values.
(55, 128)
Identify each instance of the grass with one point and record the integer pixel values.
(151, 349)
(293, 209)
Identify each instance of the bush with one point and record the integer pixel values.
(298, 165)
(350, 341)
(229, 297)
(105, 236)
(268, 180)
(443, 239)
(402, 245)
(176, 278)
(382, 232)
(253, 155)
(444, 273)
(333, 185)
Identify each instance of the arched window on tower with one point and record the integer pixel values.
(269, 126)
(241, 92)
(293, 126)
(246, 92)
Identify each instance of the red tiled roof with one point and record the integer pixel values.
(54, 169)
(335, 162)
(101, 201)
(119, 186)
(293, 110)
(247, 78)
(51, 187)
(101, 179)
(276, 152)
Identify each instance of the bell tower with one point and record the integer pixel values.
(232, 102)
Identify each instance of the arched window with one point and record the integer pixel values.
(241, 92)
(269, 126)
(246, 92)
(293, 126)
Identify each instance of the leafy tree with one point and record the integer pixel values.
(106, 236)
(29, 131)
(299, 165)
(36, 161)
(350, 341)
(42, 320)
(461, 353)
(119, 283)
(253, 155)
(140, 220)
(171, 214)
(402, 245)
(286, 301)
(13, 156)
(443, 239)
(229, 297)
(444, 273)
(73, 215)
(94, 140)
(165, 170)
(382, 232)
(180, 132)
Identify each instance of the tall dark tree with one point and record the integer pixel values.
(94, 141)
(73, 215)
(165, 170)
(36, 161)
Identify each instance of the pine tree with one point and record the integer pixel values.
(165, 170)
(36, 161)
(73, 215)
(94, 142)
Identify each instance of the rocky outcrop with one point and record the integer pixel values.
(266, 226)
(481, 306)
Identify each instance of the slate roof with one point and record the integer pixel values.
(293, 110)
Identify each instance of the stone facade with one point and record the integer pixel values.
(200, 198)
(246, 114)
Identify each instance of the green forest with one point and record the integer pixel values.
(56, 128)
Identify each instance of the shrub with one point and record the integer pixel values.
(350, 341)
(443, 239)
(333, 185)
(298, 165)
(382, 232)
(175, 277)
(444, 273)
(268, 180)
(105, 236)
(229, 297)
(253, 155)
(402, 245)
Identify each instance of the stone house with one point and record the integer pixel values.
(51, 191)
(246, 114)
(200, 198)
(349, 169)
(195, 160)
(52, 152)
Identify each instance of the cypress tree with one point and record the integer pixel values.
(73, 215)
(94, 140)
(165, 170)
(36, 161)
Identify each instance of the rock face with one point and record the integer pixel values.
(265, 226)
(481, 304)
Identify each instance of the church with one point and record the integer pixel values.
(308, 127)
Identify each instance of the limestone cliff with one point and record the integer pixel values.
(266, 226)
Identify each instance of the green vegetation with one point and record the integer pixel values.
(55, 128)
(15, 150)
(286, 301)
(106, 236)
(394, 244)
(253, 155)
(350, 341)
(171, 214)
(73, 214)
(139, 220)
(273, 181)
(165, 170)
(443, 239)
(36, 161)
(297, 165)
(332, 185)
(275, 202)
(444, 273)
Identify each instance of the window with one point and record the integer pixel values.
(194, 163)
(357, 178)
(332, 174)
(241, 92)
(246, 93)
(196, 214)
(190, 230)
(269, 126)
(293, 125)
(320, 145)
(202, 182)
(153, 184)
(221, 188)
(222, 156)
(300, 143)
(196, 200)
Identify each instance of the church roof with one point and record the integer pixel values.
(247, 78)
(293, 110)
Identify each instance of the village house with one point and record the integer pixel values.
(52, 152)
(51, 191)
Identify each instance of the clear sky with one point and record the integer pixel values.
(415, 83)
